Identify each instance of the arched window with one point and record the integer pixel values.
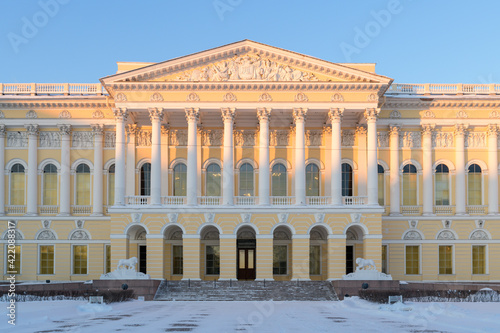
(346, 180)
(409, 185)
(246, 180)
(381, 183)
(111, 185)
(213, 180)
(474, 185)
(180, 173)
(17, 185)
(442, 185)
(278, 180)
(146, 179)
(312, 180)
(82, 185)
(49, 194)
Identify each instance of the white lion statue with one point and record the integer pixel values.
(365, 263)
(127, 263)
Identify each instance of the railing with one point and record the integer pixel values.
(246, 201)
(443, 89)
(209, 201)
(318, 201)
(354, 201)
(173, 200)
(476, 210)
(138, 200)
(52, 89)
(443, 210)
(411, 210)
(15, 209)
(48, 210)
(81, 210)
(282, 201)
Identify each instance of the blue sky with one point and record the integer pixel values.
(411, 41)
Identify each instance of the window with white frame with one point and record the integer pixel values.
(479, 259)
(412, 259)
(445, 259)
(79, 259)
(212, 261)
(278, 180)
(381, 185)
(46, 257)
(17, 185)
(442, 185)
(111, 185)
(347, 180)
(49, 194)
(474, 185)
(410, 194)
(312, 180)
(180, 178)
(213, 180)
(246, 180)
(82, 180)
(146, 179)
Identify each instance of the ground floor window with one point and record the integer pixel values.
(108, 258)
(79, 259)
(213, 260)
(177, 259)
(13, 259)
(412, 259)
(384, 259)
(280, 256)
(47, 259)
(445, 259)
(478, 259)
(315, 260)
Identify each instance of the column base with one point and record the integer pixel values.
(97, 214)
(187, 279)
(262, 280)
(221, 280)
(461, 214)
(64, 214)
(298, 280)
(395, 214)
(428, 214)
(489, 214)
(31, 214)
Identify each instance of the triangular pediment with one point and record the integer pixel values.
(246, 61)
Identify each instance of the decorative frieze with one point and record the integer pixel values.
(143, 138)
(442, 139)
(314, 137)
(109, 139)
(156, 97)
(120, 97)
(265, 97)
(65, 114)
(410, 140)
(31, 115)
(412, 235)
(383, 139)
(212, 137)
(193, 97)
(428, 114)
(301, 97)
(244, 138)
(97, 114)
(82, 139)
(337, 98)
(395, 115)
(50, 140)
(17, 139)
(229, 97)
(347, 138)
(475, 140)
(279, 137)
(178, 138)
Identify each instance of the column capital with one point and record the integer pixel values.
(65, 129)
(155, 114)
(492, 130)
(327, 129)
(97, 129)
(165, 128)
(120, 113)
(228, 114)
(371, 114)
(299, 114)
(394, 129)
(335, 114)
(460, 129)
(2, 131)
(32, 129)
(427, 129)
(192, 114)
(264, 114)
(132, 129)
(361, 130)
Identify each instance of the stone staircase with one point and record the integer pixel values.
(245, 291)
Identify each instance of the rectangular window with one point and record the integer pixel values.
(384, 259)
(50, 189)
(442, 189)
(47, 259)
(445, 259)
(82, 189)
(177, 259)
(13, 259)
(478, 259)
(315, 260)
(108, 258)
(474, 189)
(381, 189)
(17, 180)
(409, 189)
(213, 260)
(412, 260)
(280, 258)
(79, 259)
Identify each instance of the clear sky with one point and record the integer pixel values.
(415, 41)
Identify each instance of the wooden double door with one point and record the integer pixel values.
(246, 259)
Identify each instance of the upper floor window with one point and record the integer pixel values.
(146, 179)
(410, 185)
(381, 183)
(474, 185)
(346, 180)
(278, 180)
(312, 180)
(180, 173)
(82, 185)
(246, 180)
(111, 185)
(49, 194)
(17, 184)
(442, 185)
(213, 180)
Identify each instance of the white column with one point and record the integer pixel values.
(371, 119)
(228, 162)
(32, 196)
(164, 160)
(336, 167)
(492, 170)
(2, 168)
(427, 169)
(65, 179)
(264, 115)
(132, 130)
(394, 170)
(120, 117)
(156, 115)
(97, 205)
(460, 165)
(362, 163)
(299, 116)
(192, 115)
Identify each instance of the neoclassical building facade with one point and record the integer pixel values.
(250, 162)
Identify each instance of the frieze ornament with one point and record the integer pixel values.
(410, 139)
(279, 137)
(479, 235)
(446, 235)
(192, 114)
(156, 97)
(120, 97)
(178, 138)
(46, 235)
(109, 139)
(462, 114)
(244, 137)
(50, 140)
(475, 140)
(265, 97)
(442, 139)
(428, 114)
(395, 115)
(82, 139)
(228, 114)
(143, 138)
(301, 97)
(2, 114)
(313, 137)
(494, 114)
(97, 114)
(32, 129)
(372, 98)
(17, 139)
(193, 97)
(31, 115)
(212, 137)
(79, 235)
(347, 138)
(229, 97)
(335, 114)
(412, 235)
(382, 139)
(337, 98)
(246, 68)
(65, 114)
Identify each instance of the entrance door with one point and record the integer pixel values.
(349, 259)
(246, 259)
(142, 258)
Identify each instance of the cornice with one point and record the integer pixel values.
(426, 103)
(54, 105)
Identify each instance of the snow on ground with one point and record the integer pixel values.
(350, 315)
